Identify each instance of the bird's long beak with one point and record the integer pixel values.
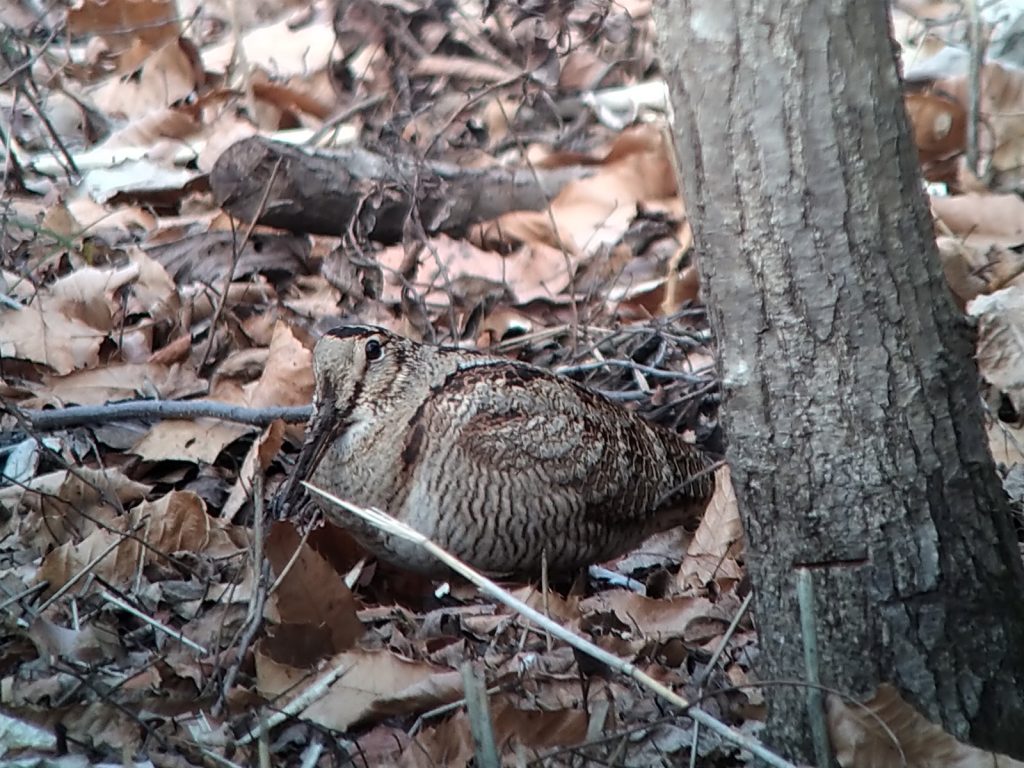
(323, 428)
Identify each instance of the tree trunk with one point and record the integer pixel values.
(852, 406)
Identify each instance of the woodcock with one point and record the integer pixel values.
(499, 462)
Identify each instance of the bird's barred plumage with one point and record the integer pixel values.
(500, 462)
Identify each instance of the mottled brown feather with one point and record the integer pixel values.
(499, 462)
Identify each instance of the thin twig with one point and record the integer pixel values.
(855, 703)
(218, 759)
(695, 377)
(705, 673)
(570, 271)
(84, 673)
(22, 88)
(236, 254)
(311, 754)
(102, 490)
(128, 607)
(91, 415)
(23, 594)
(343, 116)
(306, 531)
(27, 63)
(444, 709)
(470, 101)
(546, 758)
(395, 527)
(312, 693)
(87, 568)
(261, 567)
(976, 52)
(729, 632)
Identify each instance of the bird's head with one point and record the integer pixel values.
(362, 374)
(359, 366)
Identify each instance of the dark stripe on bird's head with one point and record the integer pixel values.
(345, 331)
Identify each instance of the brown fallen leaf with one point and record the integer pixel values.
(257, 459)
(1000, 352)
(116, 556)
(281, 48)
(685, 617)
(160, 77)
(287, 379)
(118, 381)
(939, 124)
(179, 522)
(374, 684)
(450, 743)
(312, 593)
(64, 506)
(199, 441)
(717, 542)
(595, 211)
(65, 324)
(1002, 107)
(175, 523)
(90, 644)
(862, 737)
(121, 22)
(43, 334)
(985, 216)
(1006, 443)
(964, 267)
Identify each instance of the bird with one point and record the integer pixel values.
(506, 465)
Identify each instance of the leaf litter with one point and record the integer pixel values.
(154, 613)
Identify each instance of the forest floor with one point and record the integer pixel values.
(514, 190)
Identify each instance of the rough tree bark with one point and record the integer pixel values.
(852, 409)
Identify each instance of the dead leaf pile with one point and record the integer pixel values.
(193, 194)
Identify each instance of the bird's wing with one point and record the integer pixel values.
(553, 444)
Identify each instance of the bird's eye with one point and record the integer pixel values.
(374, 351)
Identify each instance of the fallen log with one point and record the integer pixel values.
(368, 194)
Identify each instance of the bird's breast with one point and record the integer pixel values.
(361, 464)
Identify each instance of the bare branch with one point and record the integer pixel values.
(92, 415)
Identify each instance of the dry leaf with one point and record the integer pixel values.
(119, 381)
(166, 75)
(200, 440)
(375, 683)
(278, 49)
(1001, 340)
(178, 522)
(718, 540)
(69, 560)
(1002, 110)
(175, 523)
(121, 22)
(992, 218)
(1006, 443)
(312, 593)
(660, 619)
(257, 460)
(67, 505)
(287, 379)
(595, 211)
(288, 375)
(43, 334)
(864, 739)
(66, 323)
(939, 123)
